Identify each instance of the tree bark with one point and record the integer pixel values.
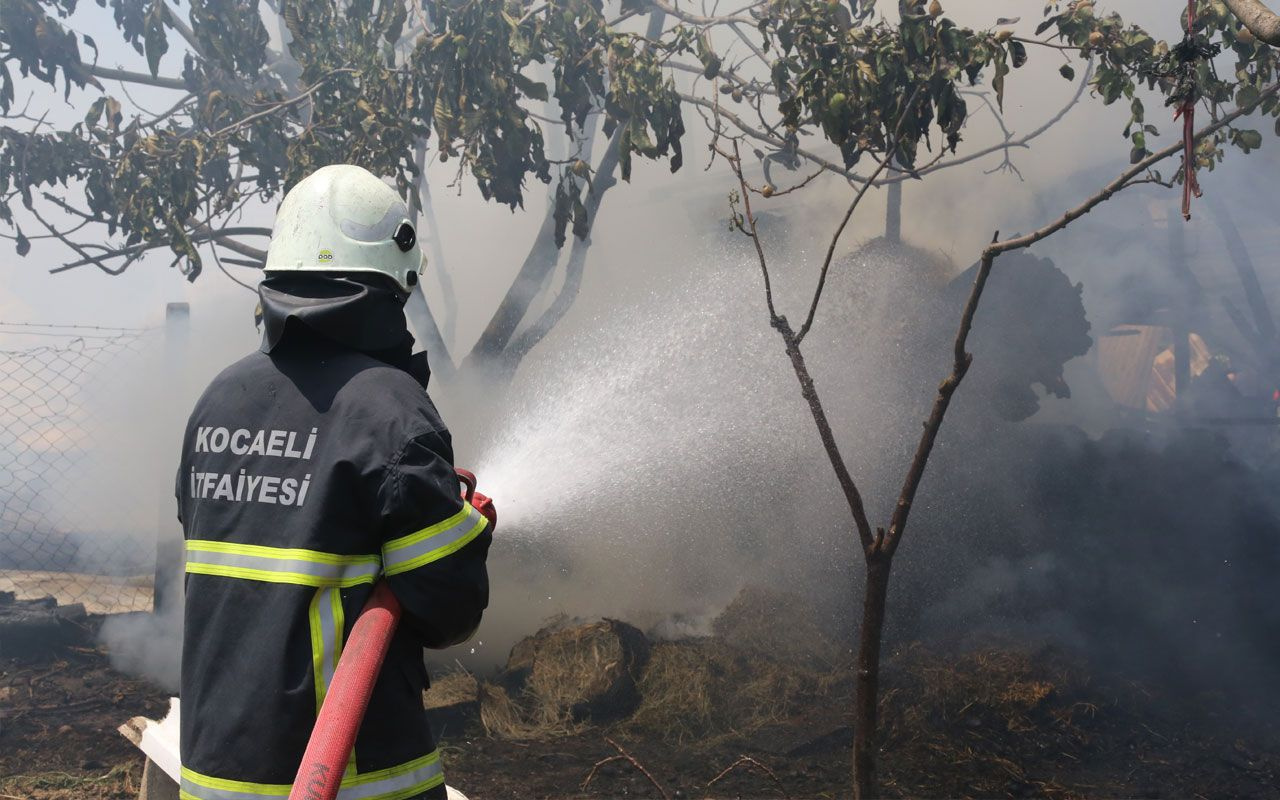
(867, 693)
(1261, 21)
(601, 182)
(419, 315)
(1263, 321)
(539, 262)
(491, 351)
(893, 213)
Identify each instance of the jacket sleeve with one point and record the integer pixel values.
(435, 544)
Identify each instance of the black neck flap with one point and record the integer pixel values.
(361, 314)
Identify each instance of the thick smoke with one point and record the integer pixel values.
(653, 455)
(136, 449)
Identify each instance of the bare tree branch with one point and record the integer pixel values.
(183, 29)
(848, 214)
(1128, 177)
(135, 77)
(847, 485)
(748, 761)
(623, 755)
(202, 233)
(741, 16)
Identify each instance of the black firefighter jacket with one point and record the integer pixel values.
(310, 470)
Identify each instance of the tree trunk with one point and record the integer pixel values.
(490, 355)
(601, 182)
(538, 264)
(1263, 321)
(875, 596)
(430, 239)
(424, 324)
(893, 213)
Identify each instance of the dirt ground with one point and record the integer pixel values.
(990, 722)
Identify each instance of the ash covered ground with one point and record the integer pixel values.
(598, 709)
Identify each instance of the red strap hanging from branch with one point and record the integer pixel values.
(1187, 110)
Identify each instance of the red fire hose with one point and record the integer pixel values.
(325, 760)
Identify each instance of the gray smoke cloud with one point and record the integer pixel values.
(653, 455)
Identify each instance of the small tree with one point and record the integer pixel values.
(878, 90)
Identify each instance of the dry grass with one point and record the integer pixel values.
(989, 714)
(701, 689)
(504, 718)
(120, 783)
(451, 690)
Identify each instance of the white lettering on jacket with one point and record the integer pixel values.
(242, 487)
(245, 442)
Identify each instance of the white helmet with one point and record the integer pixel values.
(343, 219)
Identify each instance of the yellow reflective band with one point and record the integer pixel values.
(394, 772)
(277, 553)
(394, 783)
(244, 787)
(325, 618)
(268, 576)
(317, 648)
(280, 564)
(433, 543)
(335, 598)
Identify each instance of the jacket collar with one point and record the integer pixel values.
(362, 316)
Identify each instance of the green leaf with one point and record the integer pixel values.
(1067, 72)
(531, 88)
(710, 61)
(155, 40)
(113, 113)
(997, 82)
(1249, 140)
(1018, 53)
(94, 114)
(562, 212)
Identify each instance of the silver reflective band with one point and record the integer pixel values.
(280, 564)
(395, 783)
(434, 542)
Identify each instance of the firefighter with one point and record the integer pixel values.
(311, 469)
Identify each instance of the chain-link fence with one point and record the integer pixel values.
(78, 519)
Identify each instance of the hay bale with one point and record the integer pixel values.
(452, 703)
(588, 672)
(566, 675)
(777, 625)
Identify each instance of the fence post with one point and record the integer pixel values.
(167, 597)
